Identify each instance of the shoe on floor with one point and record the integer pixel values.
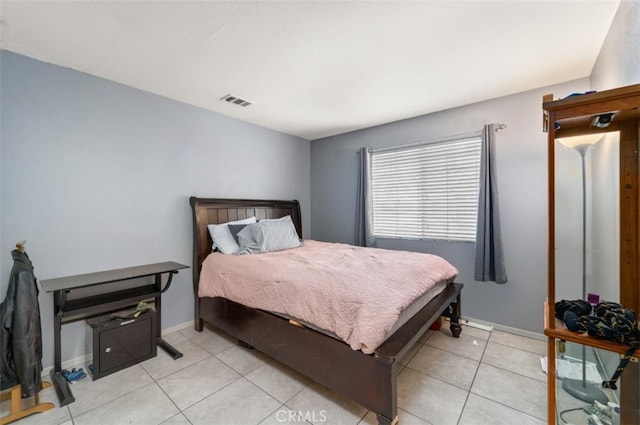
(74, 376)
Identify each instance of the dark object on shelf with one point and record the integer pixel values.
(122, 341)
(578, 307)
(579, 94)
(570, 320)
(616, 323)
(570, 311)
(602, 120)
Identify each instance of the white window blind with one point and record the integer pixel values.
(427, 191)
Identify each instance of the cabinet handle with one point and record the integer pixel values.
(107, 350)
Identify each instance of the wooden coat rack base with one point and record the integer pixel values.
(15, 394)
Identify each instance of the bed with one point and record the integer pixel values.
(367, 379)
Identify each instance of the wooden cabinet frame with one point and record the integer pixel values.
(571, 117)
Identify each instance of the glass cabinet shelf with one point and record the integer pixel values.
(559, 331)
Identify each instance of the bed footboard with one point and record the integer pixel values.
(370, 380)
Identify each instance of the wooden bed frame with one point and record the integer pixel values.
(368, 379)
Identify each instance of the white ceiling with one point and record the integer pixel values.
(316, 68)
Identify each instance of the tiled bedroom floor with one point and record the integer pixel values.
(481, 378)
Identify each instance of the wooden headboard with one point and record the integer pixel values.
(215, 211)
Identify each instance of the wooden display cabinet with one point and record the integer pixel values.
(575, 116)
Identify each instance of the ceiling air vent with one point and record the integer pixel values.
(235, 100)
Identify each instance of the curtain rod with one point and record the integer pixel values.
(497, 127)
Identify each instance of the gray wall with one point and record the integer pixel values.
(604, 219)
(568, 215)
(618, 63)
(522, 174)
(97, 175)
(522, 178)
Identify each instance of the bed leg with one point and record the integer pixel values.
(453, 313)
(198, 323)
(241, 343)
(456, 329)
(383, 420)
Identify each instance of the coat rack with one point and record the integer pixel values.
(20, 245)
(16, 406)
(15, 393)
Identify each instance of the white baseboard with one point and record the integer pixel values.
(69, 364)
(477, 325)
(503, 328)
(80, 361)
(177, 327)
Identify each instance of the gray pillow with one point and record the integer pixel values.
(269, 235)
(276, 235)
(221, 235)
(234, 229)
(245, 239)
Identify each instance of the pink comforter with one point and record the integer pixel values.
(356, 293)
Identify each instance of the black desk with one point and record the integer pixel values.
(88, 295)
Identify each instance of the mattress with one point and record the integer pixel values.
(361, 295)
(404, 316)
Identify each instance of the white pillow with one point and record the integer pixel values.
(269, 235)
(222, 237)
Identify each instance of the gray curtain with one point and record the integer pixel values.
(489, 265)
(364, 210)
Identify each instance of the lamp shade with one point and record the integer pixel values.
(575, 141)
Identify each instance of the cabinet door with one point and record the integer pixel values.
(576, 378)
(126, 345)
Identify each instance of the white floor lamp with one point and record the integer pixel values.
(576, 387)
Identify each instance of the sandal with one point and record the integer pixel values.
(73, 376)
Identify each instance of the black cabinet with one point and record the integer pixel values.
(119, 343)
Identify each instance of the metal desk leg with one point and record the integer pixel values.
(168, 348)
(65, 396)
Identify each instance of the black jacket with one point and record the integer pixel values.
(21, 339)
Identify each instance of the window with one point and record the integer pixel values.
(427, 191)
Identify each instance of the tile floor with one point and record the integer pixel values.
(481, 378)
